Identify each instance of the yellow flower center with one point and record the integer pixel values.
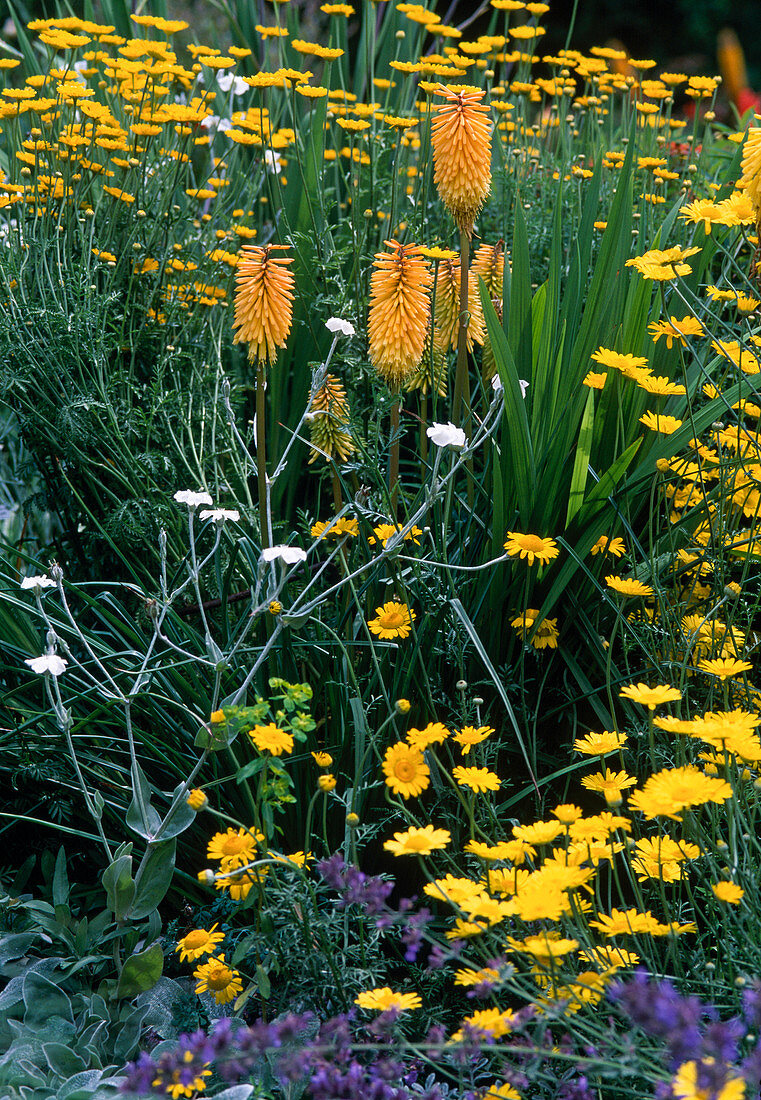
(194, 939)
(532, 542)
(218, 978)
(405, 770)
(417, 843)
(233, 845)
(392, 620)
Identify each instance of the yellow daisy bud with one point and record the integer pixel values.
(197, 800)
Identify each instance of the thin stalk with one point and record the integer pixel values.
(261, 457)
(461, 386)
(393, 468)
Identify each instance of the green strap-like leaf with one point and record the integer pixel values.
(581, 461)
(517, 448)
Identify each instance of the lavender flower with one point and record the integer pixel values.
(369, 892)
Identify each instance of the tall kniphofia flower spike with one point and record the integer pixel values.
(263, 301)
(461, 138)
(400, 309)
(263, 316)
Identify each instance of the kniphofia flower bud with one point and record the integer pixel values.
(400, 309)
(489, 265)
(430, 376)
(263, 301)
(447, 320)
(330, 420)
(461, 138)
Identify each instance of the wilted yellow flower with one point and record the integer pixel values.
(607, 545)
(546, 634)
(461, 139)
(399, 311)
(263, 301)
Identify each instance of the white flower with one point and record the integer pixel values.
(288, 554)
(48, 662)
(214, 122)
(497, 386)
(187, 496)
(219, 515)
(226, 81)
(272, 162)
(337, 324)
(446, 435)
(37, 582)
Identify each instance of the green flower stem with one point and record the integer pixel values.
(261, 466)
(461, 396)
(393, 468)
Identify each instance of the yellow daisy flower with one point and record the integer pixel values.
(405, 769)
(532, 547)
(393, 620)
(199, 942)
